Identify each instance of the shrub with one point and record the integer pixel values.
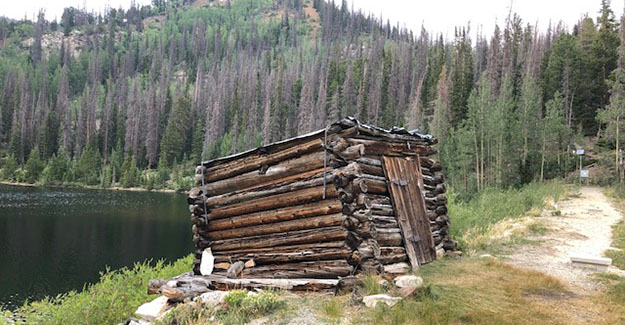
(235, 298)
(242, 306)
(490, 206)
(110, 301)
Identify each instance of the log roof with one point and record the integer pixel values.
(395, 134)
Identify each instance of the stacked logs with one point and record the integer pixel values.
(316, 206)
(274, 211)
(436, 204)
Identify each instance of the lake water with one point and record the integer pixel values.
(53, 240)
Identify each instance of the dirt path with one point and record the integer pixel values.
(584, 227)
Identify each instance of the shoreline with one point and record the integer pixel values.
(90, 187)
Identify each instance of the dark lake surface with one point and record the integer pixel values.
(53, 240)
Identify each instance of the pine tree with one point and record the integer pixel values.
(528, 114)
(614, 113)
(34, 166)
(89, 165)
(553, 130)
(9, 166)
(130, 173)
(441, 119)
(174, 137)
(605, 50)
(57, 169)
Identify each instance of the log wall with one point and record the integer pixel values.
(316, 206)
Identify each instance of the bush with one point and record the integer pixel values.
(110, 301)
(492, 205)
(241, 306)
(235, 298)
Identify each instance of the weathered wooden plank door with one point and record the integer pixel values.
(406, 184)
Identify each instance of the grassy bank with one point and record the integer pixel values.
(110, 301)
(617, 193)
(476, 218)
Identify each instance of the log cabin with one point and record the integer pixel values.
(340, 201)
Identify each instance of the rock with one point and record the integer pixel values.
(134, 321)
(213, 298)
(172, 283)
(252, 293)
(486, 256)
(397, 268)
(407, 292)
(151, 310)
(208, 262)
(372, 301)
(409, 281)
(440, 253)
(454, 253)
(383, 283)
(250, 264)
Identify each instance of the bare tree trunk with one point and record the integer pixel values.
(618, 118)
(542, 160)
(500, 160)
(477, 163)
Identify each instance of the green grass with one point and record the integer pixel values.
(478, 291)
(238, 308)
(618, 241)
(618, 230)
(109, 301)
(372, 285)
(476, 216)
(333, 309)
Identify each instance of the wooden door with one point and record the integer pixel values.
(405, 183)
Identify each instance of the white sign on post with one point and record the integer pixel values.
(580, 151)
(584, 173)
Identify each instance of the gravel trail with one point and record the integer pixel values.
(583, 228)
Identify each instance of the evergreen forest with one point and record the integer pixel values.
(137, 97)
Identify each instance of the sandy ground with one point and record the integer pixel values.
(584, 227)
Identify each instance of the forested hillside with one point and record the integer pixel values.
(136, 97)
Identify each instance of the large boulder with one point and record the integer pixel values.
(372, 301)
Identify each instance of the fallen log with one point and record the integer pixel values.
(222, 283)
